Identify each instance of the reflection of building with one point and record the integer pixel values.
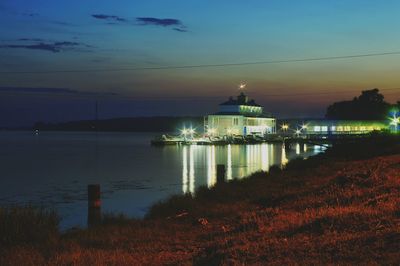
(240, 116)
(188, 179)
(199, 163)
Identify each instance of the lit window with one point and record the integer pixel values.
(339, 128)
(347, 128)
(317, 128)
(324, 128)
(333, 128)
(363, 128)
(370, 128)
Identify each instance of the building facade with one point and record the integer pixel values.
(332, 127)
(337, 127)
(240, 117)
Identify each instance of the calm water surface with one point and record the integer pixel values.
(53, 169)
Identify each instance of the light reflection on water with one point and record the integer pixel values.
(240, 161)
(54, 168)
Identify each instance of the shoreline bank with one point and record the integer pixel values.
(340, 207)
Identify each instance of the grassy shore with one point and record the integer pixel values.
(342, 207)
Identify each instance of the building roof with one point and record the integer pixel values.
(241, 99)
(262, 115)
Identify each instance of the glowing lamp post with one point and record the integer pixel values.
(191, 132)
(284, 127)
(395, 121)
(184, 132)
(242, 85)
(298, 132)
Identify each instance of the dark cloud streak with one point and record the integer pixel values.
(164, 22)
(109, 17)
(179, 30)
(31, 39)
(143, 21)
(40, 44)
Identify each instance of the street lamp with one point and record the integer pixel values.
(184, 132)
(298, 131)
(191, 132)
(395, 121)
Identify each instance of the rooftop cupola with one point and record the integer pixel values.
(242, 98)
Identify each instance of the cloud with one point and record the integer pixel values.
(31, 39)
(109, 18)
(40, 44)
(143, 21)
(164, 22)
(176, 24)
(180, 29)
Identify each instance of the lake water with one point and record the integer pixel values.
(53, 169)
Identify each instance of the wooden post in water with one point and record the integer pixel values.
(94, 205)
(220, 173)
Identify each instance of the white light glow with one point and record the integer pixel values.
(184, 171)
(229, 163)
(211, 131)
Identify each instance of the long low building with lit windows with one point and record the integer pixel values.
(241, 117)
(344, 126)
(333, 127)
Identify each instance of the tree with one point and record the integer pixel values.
(370, 105)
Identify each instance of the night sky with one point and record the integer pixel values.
(49, 51)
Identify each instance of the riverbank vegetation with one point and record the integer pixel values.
(342, 207)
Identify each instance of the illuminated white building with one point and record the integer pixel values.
(241, 117)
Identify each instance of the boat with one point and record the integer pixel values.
(168, 140)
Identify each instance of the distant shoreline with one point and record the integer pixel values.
(126, 124)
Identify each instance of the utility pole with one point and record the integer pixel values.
(96, 114)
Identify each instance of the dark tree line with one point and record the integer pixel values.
(133, 124)
(370, 105)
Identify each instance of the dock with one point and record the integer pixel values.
(165, 140)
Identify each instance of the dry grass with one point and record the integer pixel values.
(28, 225)
(339, 212)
